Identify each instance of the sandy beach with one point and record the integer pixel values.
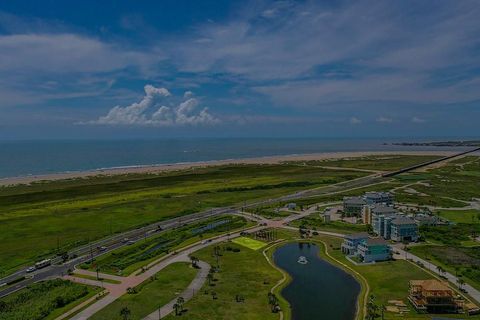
(182, 166)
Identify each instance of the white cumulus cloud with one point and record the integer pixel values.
(151, 111)
(382, 119)
(417, 120)
(354, 120)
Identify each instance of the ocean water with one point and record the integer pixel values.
(23, 158)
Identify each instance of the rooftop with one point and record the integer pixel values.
(381, 209)
(402, 221)
(430, 285)
(375, 242)
(357, 236)
(354, 200)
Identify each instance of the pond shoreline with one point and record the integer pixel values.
(324, 255)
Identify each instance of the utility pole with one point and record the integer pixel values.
(91, 254)
(160, 312)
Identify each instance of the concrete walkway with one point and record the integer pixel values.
(194, 287)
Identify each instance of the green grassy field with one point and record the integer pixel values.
(453, 235)
(128, 259)
(385, 186)
(164, 287)
(460, 216)
(249, 243)
(245, 273)
(45, 218)
(44, 300)
(381, 162)
(448, 185)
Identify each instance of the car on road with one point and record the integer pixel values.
(131, 242)
(125, 240)
(102, 248)
(31, 269)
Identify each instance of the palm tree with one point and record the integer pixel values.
(210, 278)
(180, 302)
(273, 301)
(176, 307)
(372, 308)
(125, 313)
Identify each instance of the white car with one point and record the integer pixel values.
(31, 269)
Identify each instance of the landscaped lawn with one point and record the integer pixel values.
(47, 218)
(245, 273)
(44, 300)
(166, 286)
(249, 243)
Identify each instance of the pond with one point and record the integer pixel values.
(318, 289)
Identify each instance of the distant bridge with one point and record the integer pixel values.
(394, 173)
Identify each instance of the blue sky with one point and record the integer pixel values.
(115, 69)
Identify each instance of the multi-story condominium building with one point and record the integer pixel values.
(379, 197)
(380, 217)
(403, 229)
(374, 249)
(351, 242)
(389, 224)
(352, 206)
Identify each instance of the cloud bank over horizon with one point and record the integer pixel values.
(138, 113)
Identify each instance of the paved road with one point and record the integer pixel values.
(86, 253)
